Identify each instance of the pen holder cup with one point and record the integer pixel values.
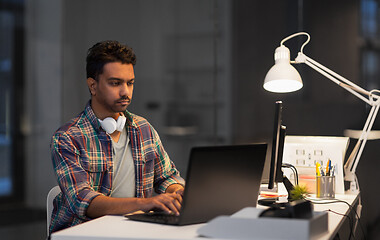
(325, 187)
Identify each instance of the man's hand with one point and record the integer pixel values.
(176, 188)
(167, 202)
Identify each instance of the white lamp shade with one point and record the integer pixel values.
(282, 77)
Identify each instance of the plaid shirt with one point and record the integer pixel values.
(82, 159)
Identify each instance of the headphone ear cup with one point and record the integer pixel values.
(108, 124)
(120, 123)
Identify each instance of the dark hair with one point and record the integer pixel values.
(106, 52)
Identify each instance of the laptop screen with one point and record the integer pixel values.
(221, 180)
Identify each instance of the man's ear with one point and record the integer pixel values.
(92, 84)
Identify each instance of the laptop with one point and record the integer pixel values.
(221, 180)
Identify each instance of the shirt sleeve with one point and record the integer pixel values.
(166, 173)
(72, 178)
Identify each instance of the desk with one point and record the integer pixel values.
(118, 227)
(338, 223)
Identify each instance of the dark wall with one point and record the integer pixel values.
(320, 107)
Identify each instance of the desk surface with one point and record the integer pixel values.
(335, 220)
(119, 227)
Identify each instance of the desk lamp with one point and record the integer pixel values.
(283, 78)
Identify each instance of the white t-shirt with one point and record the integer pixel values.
(123, 180)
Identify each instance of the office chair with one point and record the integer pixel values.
(49, 204)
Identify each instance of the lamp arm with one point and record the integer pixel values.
(336, 78)
(353, 160)
(373, 100)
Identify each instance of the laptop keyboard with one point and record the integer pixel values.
(156, 217)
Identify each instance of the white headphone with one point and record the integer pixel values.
(110, 125)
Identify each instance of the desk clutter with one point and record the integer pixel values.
(307, 152)
(325, 181)
(247, 224)
(319, 161)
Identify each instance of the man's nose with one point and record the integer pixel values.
(125, 90)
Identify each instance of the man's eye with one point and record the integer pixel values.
(114, 83)
(131, 83)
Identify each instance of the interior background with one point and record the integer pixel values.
(199, 75)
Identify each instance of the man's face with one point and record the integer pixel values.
(112, 93)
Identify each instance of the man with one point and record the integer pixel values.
(108, 160)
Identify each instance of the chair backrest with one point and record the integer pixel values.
(49, 204)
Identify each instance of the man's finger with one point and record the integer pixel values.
(179, 198)
(180, 191)
(174, 206)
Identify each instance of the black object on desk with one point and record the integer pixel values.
(301, 209)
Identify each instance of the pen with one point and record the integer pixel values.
(328, 167)
(317, 166)
(332, 171)
(321, 171)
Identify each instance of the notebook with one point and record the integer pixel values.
(220, 180)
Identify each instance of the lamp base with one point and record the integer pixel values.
(353, 184)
